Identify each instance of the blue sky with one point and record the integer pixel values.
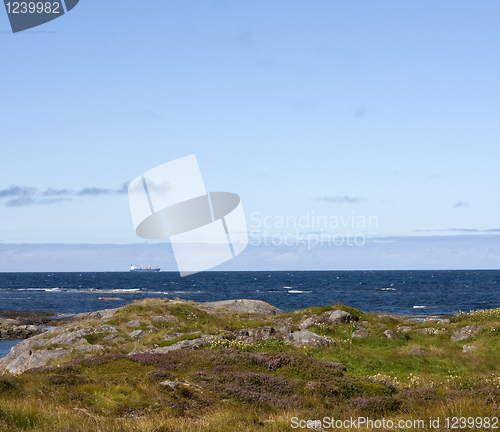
(332, 108)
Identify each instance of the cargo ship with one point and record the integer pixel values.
(145, 269)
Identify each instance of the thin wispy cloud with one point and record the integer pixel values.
(124, 188)
(162, 187)
(56, 192)
(245, 37)
(22, 196)
(17, 191)
(360, 111)
(460, 204)
(94, 191)
(24, 201)
(338, 199)
(150, 115)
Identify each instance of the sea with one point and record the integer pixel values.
(439, 292)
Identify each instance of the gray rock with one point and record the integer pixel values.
(109, 338)
(173, 385)
(444, 321)
(152, 329)
(244, 306)
(16, 361)
(207, 338)
(185, 344)
(18, 364)
(282, 329)
(170, 384)
(108, 328)
(465, 332)
(264, 333)
(469, 348)
(429, 330)
(307, 338)
(102, 315)
(261, 333)
(68, 338)
(337, 317)
(41, 358)
(241, 333)
(418, 352)
(90, 348)
(84, 348)
(13, 332)
(137, 334)
(360, 332)
(72, 337)
(174, 335)
(133, 323)
(390, 334)
(120, 339)
(311, 321)
(160, 318)
(405, 329)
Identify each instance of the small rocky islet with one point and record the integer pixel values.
(215, 356)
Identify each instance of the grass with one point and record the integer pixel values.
(239, 385)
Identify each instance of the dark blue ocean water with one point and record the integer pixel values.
(403, 292)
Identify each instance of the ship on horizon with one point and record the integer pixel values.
(145, 269)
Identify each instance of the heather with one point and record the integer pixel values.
(236, 382)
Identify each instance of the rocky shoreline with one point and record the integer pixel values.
(101, 332)
(160, 364)
(25, 324)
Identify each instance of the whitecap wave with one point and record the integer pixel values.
(298, 291)
(126, 290)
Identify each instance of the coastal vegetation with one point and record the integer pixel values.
(162, 365)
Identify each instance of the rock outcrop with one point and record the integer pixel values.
(184, 344)
(100, 315)
(305, 338)
(329, 318)
(465, 333)
(19, 331)
(242, 306)
(390, 334)
(73, 337)
(27, 354)
(337, 317)
(360, 332)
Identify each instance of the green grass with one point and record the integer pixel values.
(237, 385)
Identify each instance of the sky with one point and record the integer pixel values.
(379, 117)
